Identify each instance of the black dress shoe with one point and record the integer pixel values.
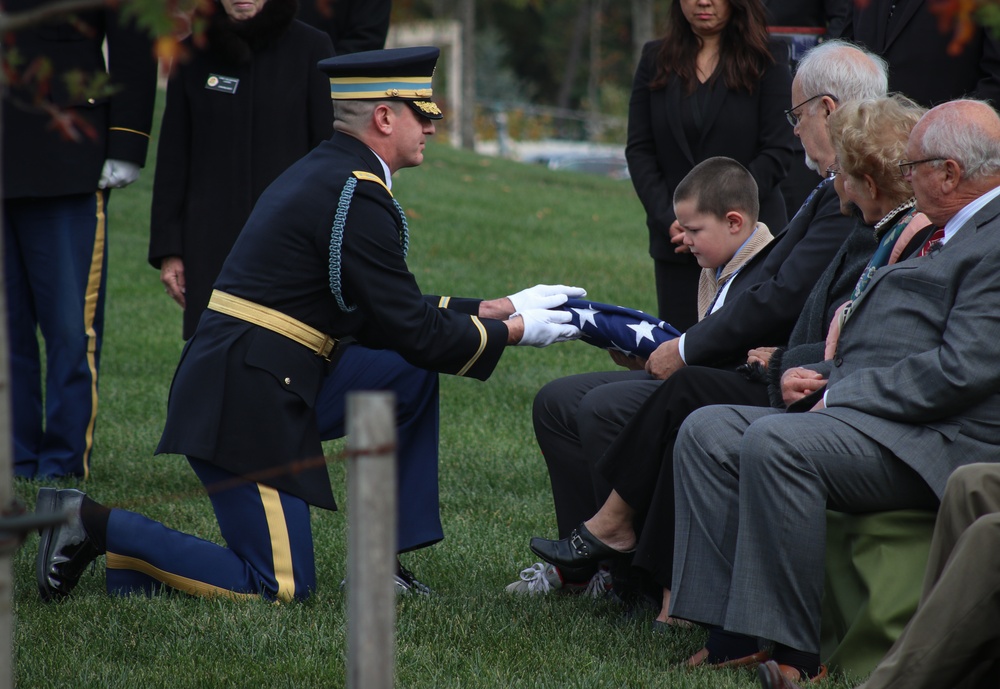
(64, 550)
(775, 676)
(581, 548)
(406, 582)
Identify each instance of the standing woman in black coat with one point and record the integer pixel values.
(712, 86)
(239, 112)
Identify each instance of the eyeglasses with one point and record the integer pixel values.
(906, 166)
(793, 119)
(833, 170)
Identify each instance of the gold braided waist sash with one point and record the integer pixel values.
(275, 321)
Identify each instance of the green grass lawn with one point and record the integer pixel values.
(479, 227)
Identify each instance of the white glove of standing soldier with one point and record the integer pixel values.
(543, 327)
(117, 174)
(544, 297)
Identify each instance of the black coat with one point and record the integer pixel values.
(917, 52)
(807, 343)
(751, 128)
(353, 25)
(831, 14)
(243, 397)
(219, 150)
(37, 160)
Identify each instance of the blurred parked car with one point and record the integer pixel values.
(608, 165)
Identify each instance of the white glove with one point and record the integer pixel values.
(543, 327)
(117, 174)
(545, 297)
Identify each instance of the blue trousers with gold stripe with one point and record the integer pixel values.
(268, 552)
(55, 260)
(417, 418)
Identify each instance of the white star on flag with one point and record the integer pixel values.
(616, 327)
(586, 316)
(643, 331)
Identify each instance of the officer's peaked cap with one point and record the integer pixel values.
(394, 74)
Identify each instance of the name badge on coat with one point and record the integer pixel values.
(217, 82)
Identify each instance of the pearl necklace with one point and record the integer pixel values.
(909, 203)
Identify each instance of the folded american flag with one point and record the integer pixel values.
(616, 327)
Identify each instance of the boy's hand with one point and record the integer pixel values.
(632, 363)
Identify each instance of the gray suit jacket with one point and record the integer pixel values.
(917, 367)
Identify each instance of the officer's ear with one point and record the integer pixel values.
(383, 117)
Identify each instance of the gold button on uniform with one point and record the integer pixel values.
(288, 381)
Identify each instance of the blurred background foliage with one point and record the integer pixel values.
(579, 56)
(551, 64)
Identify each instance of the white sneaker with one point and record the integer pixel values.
(599, 585)
(541, 577)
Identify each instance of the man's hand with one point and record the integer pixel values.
(676, 233)
(796, 383)
(544, 297)
(629, 361)
(541, 327)
(665, 360)
(117, 174)
(172, 277)
(760, 355)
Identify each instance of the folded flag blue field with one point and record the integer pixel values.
(616, 327)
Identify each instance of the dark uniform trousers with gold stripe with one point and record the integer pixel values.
(55, 223)
(55, 263)
(267, 532)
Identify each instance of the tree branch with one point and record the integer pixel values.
(15, 22)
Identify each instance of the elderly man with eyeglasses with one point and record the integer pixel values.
(913, 393)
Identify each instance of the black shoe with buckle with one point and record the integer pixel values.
(581, 548)
(64, 550)
(407, 583)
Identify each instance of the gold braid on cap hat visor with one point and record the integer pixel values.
(427, 106)
(413, 93)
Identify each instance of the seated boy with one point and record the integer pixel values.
(716, 205)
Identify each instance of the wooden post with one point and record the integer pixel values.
(371, 545)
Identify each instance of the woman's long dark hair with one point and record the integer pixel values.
(743, 50)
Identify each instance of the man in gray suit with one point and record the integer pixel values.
(913, 392)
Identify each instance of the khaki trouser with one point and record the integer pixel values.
(953, 639)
